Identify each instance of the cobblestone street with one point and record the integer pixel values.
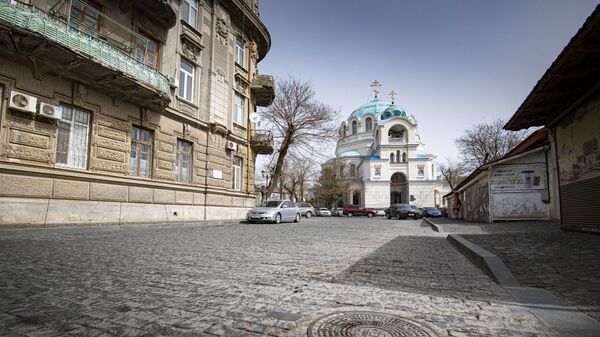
(245, 280)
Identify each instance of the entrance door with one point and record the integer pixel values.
(398, 189)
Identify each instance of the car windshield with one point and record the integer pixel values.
(431, 209)
(269, 204)
(324, 209)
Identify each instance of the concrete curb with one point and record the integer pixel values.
(434, 226)
(562, 318)
(116, 226)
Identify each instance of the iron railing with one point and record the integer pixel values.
(108, 48)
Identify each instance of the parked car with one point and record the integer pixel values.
(444, 212)
(401, 211)
(352, 210)
(306, 209)
(431, 212)
(417, 210)
(336, 212)
(274, 211)
(324, 212)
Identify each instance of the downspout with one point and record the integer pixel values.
(248, 149)
(212, 58)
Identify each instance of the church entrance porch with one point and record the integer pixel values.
(398, 189)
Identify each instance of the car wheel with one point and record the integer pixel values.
(308, 214)
(398, 217)
(388, 215)
(297, 218)
(369, 215)
(416, 218)
(350, 215)
(278, 218)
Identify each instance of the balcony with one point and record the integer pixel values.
(397, 141)
(263, 89)
(262, 141)
(89, 48)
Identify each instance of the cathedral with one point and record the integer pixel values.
(381, 160)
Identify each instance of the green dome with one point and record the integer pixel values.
(393, 111)
(374, 107)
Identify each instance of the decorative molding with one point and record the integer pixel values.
(222, 31)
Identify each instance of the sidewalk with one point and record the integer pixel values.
(540, 255)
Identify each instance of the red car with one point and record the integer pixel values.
(352, 210)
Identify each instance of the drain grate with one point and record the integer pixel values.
(366, 324)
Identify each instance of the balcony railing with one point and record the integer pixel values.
(395, 140)
(111, 44)
(262, 141)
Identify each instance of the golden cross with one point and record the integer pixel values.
(392, 95)
(375, 85)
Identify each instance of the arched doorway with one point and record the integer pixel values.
(398, 189)
(356, 198)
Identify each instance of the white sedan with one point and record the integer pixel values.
(324, 212)
(274, 211)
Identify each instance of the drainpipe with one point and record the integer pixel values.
(248, 149)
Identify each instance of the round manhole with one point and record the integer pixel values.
(366, 324)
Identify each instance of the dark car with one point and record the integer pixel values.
(417, 210)
(401, 211)
(431, 212)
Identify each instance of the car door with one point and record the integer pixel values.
(288, 210)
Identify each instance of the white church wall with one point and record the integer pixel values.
(377, 194)
(423, 194)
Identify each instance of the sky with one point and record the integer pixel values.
(452, 63)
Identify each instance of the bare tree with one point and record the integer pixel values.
(453, 172)
(483, 143)
(298, 122)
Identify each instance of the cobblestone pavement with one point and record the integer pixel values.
(540, 255)
(244, 280)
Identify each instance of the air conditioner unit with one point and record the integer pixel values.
(231, 145)
(21, 101)
(50, 111)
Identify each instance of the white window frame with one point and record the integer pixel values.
(180, 159)
(192, 10)
(75, 160)
(239, 111)
(240, 53)
(186, 79)
(236, 173)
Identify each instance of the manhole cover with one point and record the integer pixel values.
(366, 324)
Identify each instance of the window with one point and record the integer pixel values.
(190, 12)
(72, 138)
(140, 158)
(343, 132)
(352, 170)
(404, 157)
(183, 162)
(240, 53)
(236, 174)
(397, 156)
(186, 80)
(239, 109)
(354, 127)
(341, 171)
(391, 157)
(147, 51)
(85, 17)
(369, 124)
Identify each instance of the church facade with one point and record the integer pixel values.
(381, 160)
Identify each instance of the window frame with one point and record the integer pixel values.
(179, 177)
(354, 127)
(69, 153)
(239, 112)
(189, 5)
(188, 78)
(146, 51)
(368, 124)
(139, 143)
(236, 171)
(240, 48)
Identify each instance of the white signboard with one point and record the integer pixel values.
(522, 177)
(217, 174)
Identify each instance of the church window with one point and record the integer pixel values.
(404, 157)
(341, 171)
(343, 131)
(352, 170)
(391, 157)
(397, 156)
(369, 124)
(354, 127)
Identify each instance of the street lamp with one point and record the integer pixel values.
(265, 174)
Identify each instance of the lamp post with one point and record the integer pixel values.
(265, 174)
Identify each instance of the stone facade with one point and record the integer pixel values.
(90, 169)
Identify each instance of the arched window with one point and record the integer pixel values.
(369, 124)
(397, 156)
(343, 131)
(354, 127)
(404, 157)
(352, 170)
(341, 171)
(391, 157)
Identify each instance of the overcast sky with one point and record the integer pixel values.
(452, 63)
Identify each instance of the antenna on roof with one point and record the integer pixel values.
(375, 85)
(392, 95)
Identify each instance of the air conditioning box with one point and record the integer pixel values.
(22, 102)
(50, 111)
(231, 145)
